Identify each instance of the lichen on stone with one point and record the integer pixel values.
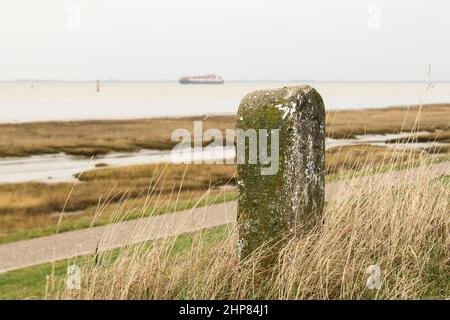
(281, 206)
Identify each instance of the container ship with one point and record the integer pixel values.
(206, 79)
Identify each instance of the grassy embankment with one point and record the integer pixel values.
(404, 229)
(30, 210)
(401, 226)
(31, 282)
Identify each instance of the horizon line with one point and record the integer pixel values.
(227, 81)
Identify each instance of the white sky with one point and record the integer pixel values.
(238, 39)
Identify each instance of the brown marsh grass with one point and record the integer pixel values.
(442, 136)
(358, 157)
(88, 138)
(27, 206)
(402, 226)
(347, 124)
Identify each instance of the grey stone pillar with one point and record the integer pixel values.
(277, 205)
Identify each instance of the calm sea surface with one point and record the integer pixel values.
(39, 101)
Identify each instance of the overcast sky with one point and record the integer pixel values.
(238, 39)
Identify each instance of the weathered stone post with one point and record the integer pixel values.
(276, 205)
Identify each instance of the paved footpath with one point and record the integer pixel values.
(71, 244)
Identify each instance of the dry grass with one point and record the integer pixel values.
(440, 149)
(28, 206)
(99, 137)
(442, 136)
(346, 124)
(34, 205)
(357, 157)
(401, 226)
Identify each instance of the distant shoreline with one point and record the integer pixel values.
(22, 102)
(232, 81)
